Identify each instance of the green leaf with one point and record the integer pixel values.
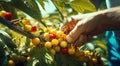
(42, 3)
(27, 8)
(9, 9)
(8, 41)
(60, 5)
(66, 60)
(27, 43)
(41, 57)
(82, 6)
(2, 54)
(34, 4)
(5, 0)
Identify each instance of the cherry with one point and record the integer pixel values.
(34, 28)
(64, 50)
(76, 47)
(52, 36)
(8, 15)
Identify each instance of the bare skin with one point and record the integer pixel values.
(83, 27)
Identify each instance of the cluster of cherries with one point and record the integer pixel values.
(26, 22)
(55, 42)
(7, 15)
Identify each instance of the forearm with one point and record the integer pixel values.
(113, 18)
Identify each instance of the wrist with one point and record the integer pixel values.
(112, 18)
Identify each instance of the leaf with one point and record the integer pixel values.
(60, 5)
(9, 9)
(42, 3)
(27, 43)
(82, 6)
(2, 54)
(66, 60)
(4, 33)
(8, 41)
(27, 8)
(5, 0)
(34, 4)
(41, 57)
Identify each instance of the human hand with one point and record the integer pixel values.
(70, 23)
(85, 28)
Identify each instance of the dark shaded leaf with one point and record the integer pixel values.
(5, 0)
(7, 7)
(66, 60)
(27, 43)
(41, 57)
(8, 41)
(27, 8)
(34, 4)
(2, 54)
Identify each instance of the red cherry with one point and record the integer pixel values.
(76, 47)
(34, 28)
(52, 36)
(64, 50)
(8, 15)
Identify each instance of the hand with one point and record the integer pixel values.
(70, 24)
(85, 27)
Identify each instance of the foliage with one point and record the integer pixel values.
(63, 60)
(40, 56)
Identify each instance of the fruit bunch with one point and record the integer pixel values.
(17, 60)
(28, 26)
(7, 15)
(55, 41)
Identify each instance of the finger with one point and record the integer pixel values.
(82, 39)
(74, 34)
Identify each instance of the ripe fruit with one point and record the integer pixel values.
(94, 60)
(31, 45)
(11, 63)
(14, 57)
(2, 13)
(59, 34)
(48, 45)
(87, 52)
(64, 36)
(64, 50)
(57, 48)
(22, 58)
(60, 39)
(26, 21)
(46, 35)
(55, 42)
(53, 31)
(34, 28)
(71, 50)
(28, 59)
(8, 15)
(63, 44)
(52, 36)
(53, 51)
(27, 28)
(36, 41)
